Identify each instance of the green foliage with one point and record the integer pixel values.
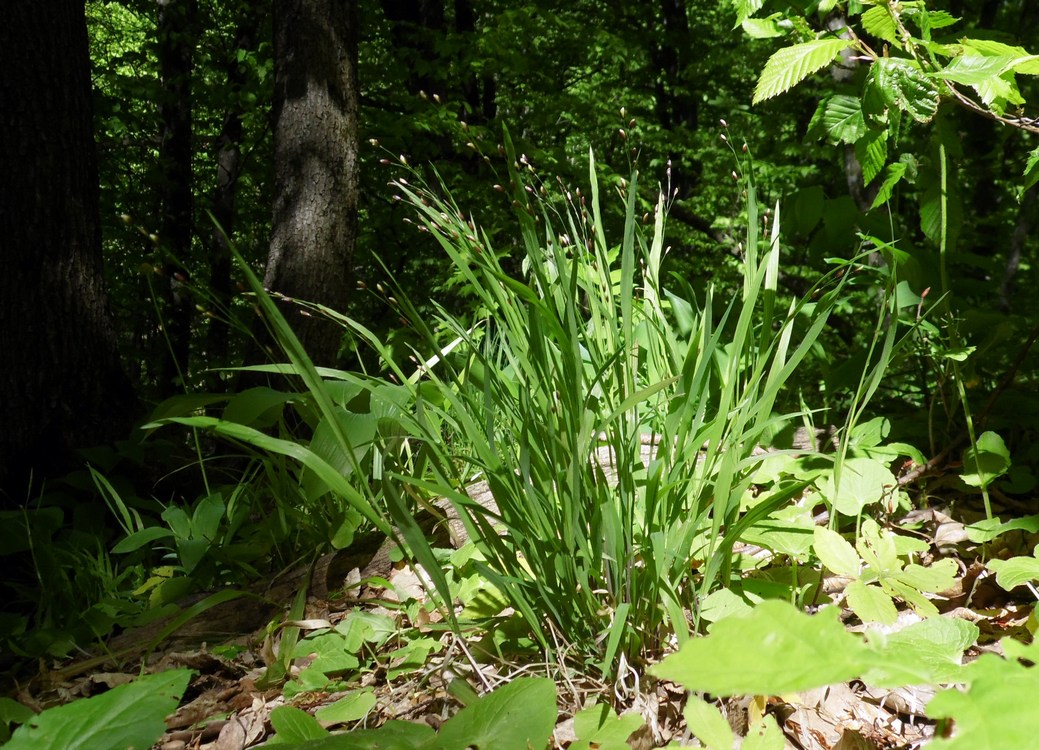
(879, 575)
(775, 648)
(994, 709)
(791, 65)
(588, 351)
(516, 716)
(126, 716)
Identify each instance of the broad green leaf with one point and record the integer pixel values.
(863, 481)
(878, 21)
(934, 19)
(988, 529)
(843, 119)
(995, 711)
(904, 85)
(999, 92)
(974, 69)
(991, 459)
(870, 603)
(1023, 62)
(774, 649)
(293, 724)
(599, 727)
(764, 28)
(930, 650)
(13, 712)
(1031, 173)
(871, 433)
(393, 735)
(516, 716)
(836, 553)
(893, 174)
(791, 65)
(706, 722)
(721, 604)
(249, 405)
(871, 151)
(141, 538)
(352, 707)
(128, 716)
(765, 735)
(745, 9)
(878, 548)
(1017, 571)
(939, 576)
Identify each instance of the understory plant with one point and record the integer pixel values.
(613, 419)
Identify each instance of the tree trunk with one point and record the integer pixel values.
(228, 170)
(60, 373)
(176, 51)
(315, 160)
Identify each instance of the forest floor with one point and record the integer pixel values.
(349, 677)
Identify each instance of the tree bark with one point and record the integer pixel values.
(316, 165)
(60, 373)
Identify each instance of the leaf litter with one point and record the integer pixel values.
(410, 667)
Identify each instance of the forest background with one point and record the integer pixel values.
(145, 140)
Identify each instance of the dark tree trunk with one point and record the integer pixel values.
(676, 107)
(228, 170)
(176, 50)
(479, 91)
(60, 374)
(316, 95)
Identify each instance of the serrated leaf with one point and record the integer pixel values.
(879, 22)
(870, 603)
(707, 724)
(1023, 62)
(763, 28)
(836, 553)
(893, 176)
(774, 649)
(905, 86)
(128, 716)
(745, 9)
(791, 65)
(843, 119)
(938, 19)
(1031, 173)
(1000, 92)
(871, 151)
(974, 69)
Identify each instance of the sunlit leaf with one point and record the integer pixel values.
(774, 649)
(989, 460)
(791, 65)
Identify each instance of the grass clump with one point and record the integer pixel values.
(613, 419)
